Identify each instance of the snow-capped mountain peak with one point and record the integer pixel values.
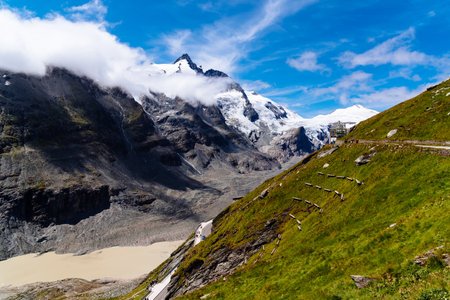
(350, 116)
(186, 60)
(269, 125)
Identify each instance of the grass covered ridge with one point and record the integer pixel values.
(424, 117)
(402, 185)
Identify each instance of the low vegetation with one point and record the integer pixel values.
(425, 117)
(403, 185)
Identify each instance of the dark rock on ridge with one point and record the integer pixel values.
(191, 64)
(215, 73)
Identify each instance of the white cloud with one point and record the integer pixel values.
(92, 10)
(356, 81)
(285, 91)
(255, 85)
(224, 43)
(406, 73)
(307, 61)
(386, 97)
(30, 45)
(395, 51)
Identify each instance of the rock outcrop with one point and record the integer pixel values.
(361, 282)
(364, 159)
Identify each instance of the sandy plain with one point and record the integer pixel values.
(114, 262)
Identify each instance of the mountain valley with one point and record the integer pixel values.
(81, 162)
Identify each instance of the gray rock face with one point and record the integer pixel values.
(279, 112)
(361, 281)
(201, 135)
(292, 143)
(222, 262)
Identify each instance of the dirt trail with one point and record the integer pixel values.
(423, 144)
(415, 142)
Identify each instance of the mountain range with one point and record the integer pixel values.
(84, 167)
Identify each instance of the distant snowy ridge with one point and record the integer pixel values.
(353, 114)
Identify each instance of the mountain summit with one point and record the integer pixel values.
(189, 61)
(271, 127)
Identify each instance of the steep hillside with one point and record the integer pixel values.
(376, 209)
(425, 117)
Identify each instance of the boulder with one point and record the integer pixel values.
(391, 133)
(364, 159)
(361, 281)
(326, 152)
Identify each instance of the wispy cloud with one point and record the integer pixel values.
(360, 88)
(223, 44)
(405, 73)
(93, 10)
(386, 97)
(307, 61)
(255, 85)
(285, 91)
(395, 51)
(356, 81)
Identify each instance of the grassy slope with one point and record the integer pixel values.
(350, 237)
(403, 185)
(424, 117)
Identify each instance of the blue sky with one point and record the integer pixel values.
(312, 55)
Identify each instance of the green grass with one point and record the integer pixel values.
(402, 185)
(425, 117)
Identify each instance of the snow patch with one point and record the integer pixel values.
(203, 231)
